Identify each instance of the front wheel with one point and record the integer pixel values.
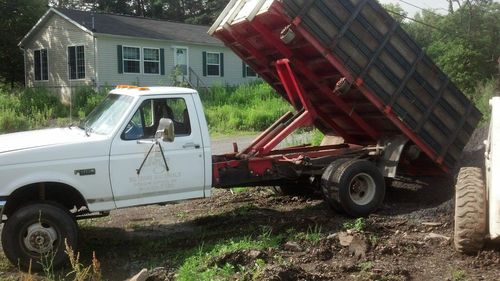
(36, 234)
(354, 186)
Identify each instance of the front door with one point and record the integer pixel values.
(181, 63)
(139, 178)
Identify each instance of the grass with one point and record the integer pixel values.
(312, 235)
(358, 224)
(198, 264)
(458, 275)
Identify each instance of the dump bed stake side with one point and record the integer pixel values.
(389, 113)
(284, 50)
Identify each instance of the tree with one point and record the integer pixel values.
(18, 17)
(465, 43)
(396, 11)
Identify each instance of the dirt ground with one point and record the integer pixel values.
(396, 243)
(409, 238)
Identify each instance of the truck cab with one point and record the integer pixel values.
(115, 158)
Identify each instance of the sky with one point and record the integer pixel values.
(441, 6)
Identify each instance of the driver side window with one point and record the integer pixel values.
(146, 119)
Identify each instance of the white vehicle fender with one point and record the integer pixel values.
(34, 178)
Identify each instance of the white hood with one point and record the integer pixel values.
(39, 138)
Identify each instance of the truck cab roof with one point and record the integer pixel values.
(147, 91)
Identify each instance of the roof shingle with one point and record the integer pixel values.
(141, 27)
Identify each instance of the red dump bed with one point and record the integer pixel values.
(362, 75)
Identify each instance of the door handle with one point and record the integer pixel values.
(191, 145)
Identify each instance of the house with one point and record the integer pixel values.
(70, 48)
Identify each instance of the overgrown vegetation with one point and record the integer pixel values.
(249, 107)
(75, 272)
(37, 108)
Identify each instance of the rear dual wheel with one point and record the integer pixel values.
(353, 186)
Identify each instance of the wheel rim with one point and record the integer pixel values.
(40, 238)
(362, 189)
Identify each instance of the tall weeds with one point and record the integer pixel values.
(249, 107)
(34, 108)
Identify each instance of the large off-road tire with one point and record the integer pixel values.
(470, 210)
(37, 233)
(354, 186)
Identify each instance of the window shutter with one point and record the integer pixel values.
(204, 63)
(243, 69)
(120, 58)
(162, 61)
(222, 64)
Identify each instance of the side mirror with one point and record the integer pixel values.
(165, 130)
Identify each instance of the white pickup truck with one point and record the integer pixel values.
(50, 177)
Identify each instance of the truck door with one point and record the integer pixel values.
(138, 178)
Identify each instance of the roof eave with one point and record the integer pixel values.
(97, 34)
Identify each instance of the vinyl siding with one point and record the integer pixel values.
(108, 63)
(55, 36)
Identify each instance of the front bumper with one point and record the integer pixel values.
(2, 204)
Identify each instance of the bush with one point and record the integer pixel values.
(483, 93)
(33, 100)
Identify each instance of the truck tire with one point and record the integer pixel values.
(37, 233)
(354, 186)
(325, 184)
(470, 211)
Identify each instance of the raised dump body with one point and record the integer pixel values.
(360, 74)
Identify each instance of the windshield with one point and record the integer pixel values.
(104, 118)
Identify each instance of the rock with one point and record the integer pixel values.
(345, 239)
(434, 236)
(332, 236)
(255, 254)
(141, 276)
(292, 246)
(358, 247)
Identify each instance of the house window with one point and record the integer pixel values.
(151, 60)
(41, 65)
(76, 62)
(131, 60)
(213, 64)
(249, 71)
